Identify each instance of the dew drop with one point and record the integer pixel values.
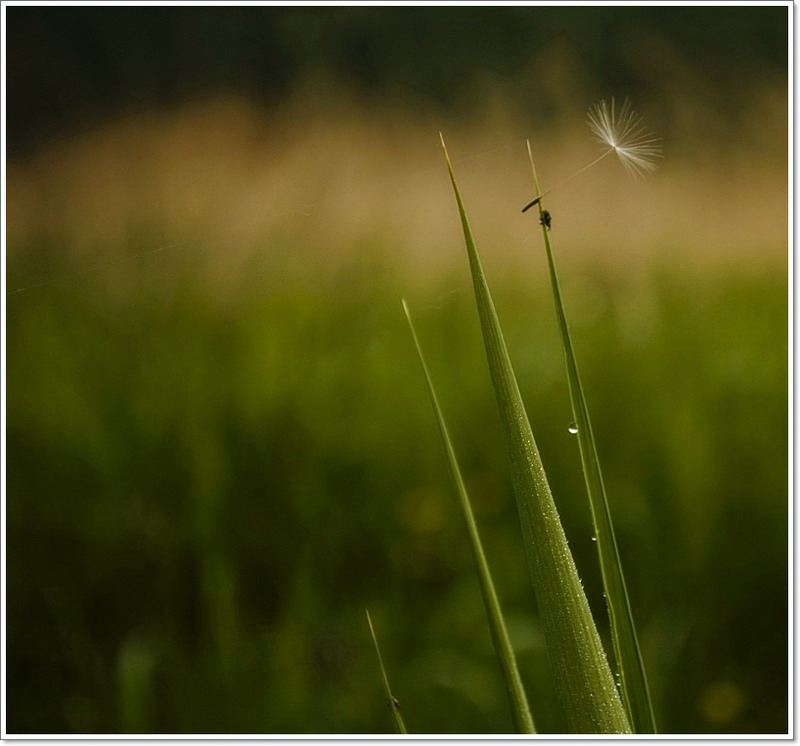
(594, 538)
(573, 428)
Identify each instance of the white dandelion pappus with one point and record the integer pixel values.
(625, 132)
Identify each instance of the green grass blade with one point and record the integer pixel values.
(518, 701)
(391, 701)
(633, 680)
(582, 676)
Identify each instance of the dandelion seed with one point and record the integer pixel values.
(623, 132)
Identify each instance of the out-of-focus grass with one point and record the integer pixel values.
(226, 173)
(217, 458)
(223, 490)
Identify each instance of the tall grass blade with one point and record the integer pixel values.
(518, 701)
(583, 680)
(633, 679)
(391, 701)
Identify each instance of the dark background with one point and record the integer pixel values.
(70, 67)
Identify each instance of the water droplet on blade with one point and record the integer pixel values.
(594, 538)
(573, 428)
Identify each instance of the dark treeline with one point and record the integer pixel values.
(69, 67)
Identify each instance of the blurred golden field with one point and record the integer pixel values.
(333, 176)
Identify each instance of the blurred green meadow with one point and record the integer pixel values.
(220, 449)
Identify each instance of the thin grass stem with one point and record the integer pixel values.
(518, 701)
(633, 680)
(391, 700)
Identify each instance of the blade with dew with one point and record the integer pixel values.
(633, 680)
(391, 701)
(518, 701)
(583, 680)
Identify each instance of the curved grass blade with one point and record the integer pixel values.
(391, 701)
(633, 679)
(518, 701)
(583, 680)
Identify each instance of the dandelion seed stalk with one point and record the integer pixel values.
(623, 132)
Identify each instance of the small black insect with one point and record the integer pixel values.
(393, 704)
(545, 219)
